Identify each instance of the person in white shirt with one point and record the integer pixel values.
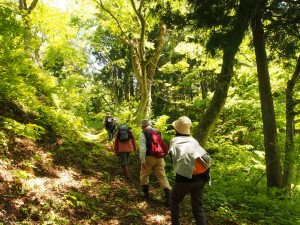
(190, 179)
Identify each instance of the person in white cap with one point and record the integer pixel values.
(191, 164)
(149, 163)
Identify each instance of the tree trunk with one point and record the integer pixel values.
(218, 101)
(126, 87)
(273, 167)
(203, 89)
(120, 86)
(234, 39)
(140, 74)
(144, 69)
(290, 154)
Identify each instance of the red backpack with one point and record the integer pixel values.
(159, 148)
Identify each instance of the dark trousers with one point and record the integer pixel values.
(179, 191)
(110, 132)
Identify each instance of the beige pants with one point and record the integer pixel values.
(158, 167)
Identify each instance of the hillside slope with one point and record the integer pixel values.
(40, 185)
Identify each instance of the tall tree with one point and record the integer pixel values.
(291, 103)
(271, 143)
(281, 25)
(213, 14)
(130, 23)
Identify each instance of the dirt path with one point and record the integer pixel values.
(38, 189)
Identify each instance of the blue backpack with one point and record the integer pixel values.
(124, 133)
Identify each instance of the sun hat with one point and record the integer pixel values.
(108, 114)
(182, 125)
(145, 123)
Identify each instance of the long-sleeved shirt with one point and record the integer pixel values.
(184, 151)
(146, 142)
(124, 146)
(143, 147)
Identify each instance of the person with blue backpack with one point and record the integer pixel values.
(124, 144)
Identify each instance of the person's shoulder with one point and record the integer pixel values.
(153, 129)
(194, 139)
(175, 139)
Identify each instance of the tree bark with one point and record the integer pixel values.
(234, 39)
(272, 156)
(290, 154)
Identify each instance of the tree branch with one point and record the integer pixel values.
(32, 6)
(125, 40)
(153, 60)
(23, 5)
(143, 28)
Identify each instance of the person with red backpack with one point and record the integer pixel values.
(191, 164)
(124, 144)
(151, 141)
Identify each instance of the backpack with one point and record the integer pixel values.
(109, 122)
(202, 164)
(124, 133)
(159, 148)
(199, 168)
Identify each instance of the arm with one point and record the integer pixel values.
(143, 147)
(116, 144)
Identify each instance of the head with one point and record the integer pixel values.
(145, 123)
(183, 125)
(108, 114)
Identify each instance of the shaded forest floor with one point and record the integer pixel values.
(41, 185)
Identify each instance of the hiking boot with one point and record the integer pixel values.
(167, 197)
(126, 171)
(145, 193)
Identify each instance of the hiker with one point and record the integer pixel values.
(185, 151)
(149, 163)
(109, 123)
(124, 144)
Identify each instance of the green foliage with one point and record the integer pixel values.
(61, 122)
(54, 61)
(246, 202)
(160, 123)
(31, 131)
(3, 139)
(124, 113)
(75, 199)
(57, 98)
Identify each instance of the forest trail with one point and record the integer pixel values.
(137, 210)
(140, 211)
(37, 189)
(42, 185)
(91, 137)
